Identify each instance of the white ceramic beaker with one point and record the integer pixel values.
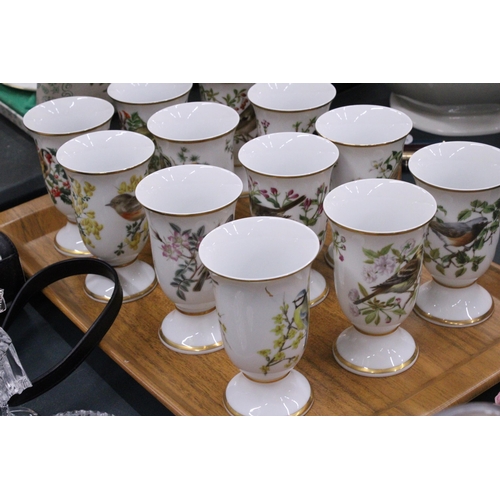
(260, 268)
(464, 177)
(195, 133)
(104, 169)
(53, 123)
(379, 228)
(289, 176)
(183, 204)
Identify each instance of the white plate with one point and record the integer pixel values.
(471, 120)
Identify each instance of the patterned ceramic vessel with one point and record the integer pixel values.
(135, 103)
(104, 169)
(370, 140)
(290, 107)
(183, 204)
(464, 177)
(195, 133)
(234, 95)
(48, 91)
(289, 176)
(379, 228)
(52, 124)
(260, 268)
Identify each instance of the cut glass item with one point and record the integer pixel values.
(13, 378)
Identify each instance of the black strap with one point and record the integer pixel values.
(89, 341)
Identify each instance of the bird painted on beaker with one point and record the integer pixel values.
(400, 282)
(458, 234)
(127, 206)
(301, 312)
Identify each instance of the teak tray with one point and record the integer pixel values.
(454, 365)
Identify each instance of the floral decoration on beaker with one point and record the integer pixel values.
(183, 157)
(238, 100)
(338, 244)
(309, 128)
(388, 168)
(290, 331)
(272, 202)
(263, 125)
(58, 185)
(86, 218)
(134, 123)
(182, 247)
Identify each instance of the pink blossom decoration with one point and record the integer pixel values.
(171, 252)
(385, 264)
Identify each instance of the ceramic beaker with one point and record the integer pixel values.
(379, 228)
(53, 123)
(464, 177)
(289, 176)
(183, 204)
(195, 133)
(290, 107)
(260, 269)
(104, 169)
(234, 95)
(370, 140)
(135, 103)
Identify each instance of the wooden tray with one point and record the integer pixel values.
(454, 366)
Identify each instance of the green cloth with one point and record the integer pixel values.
(20, 101)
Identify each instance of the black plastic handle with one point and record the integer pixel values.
(89, 341)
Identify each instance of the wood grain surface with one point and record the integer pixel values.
(454, 364)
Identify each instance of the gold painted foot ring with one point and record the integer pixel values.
(363, 370)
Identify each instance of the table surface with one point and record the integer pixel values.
(454, 366)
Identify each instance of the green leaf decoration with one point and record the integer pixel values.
(462, 258)
(176, 228)
(435, 253)
(370, 253)
(479, 243)
(441, 269)
(370, 317)
(385, 250)
(399, 311)
(440, 208)
(464, 215)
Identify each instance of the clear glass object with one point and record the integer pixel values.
(3, 305)
(13, 378)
